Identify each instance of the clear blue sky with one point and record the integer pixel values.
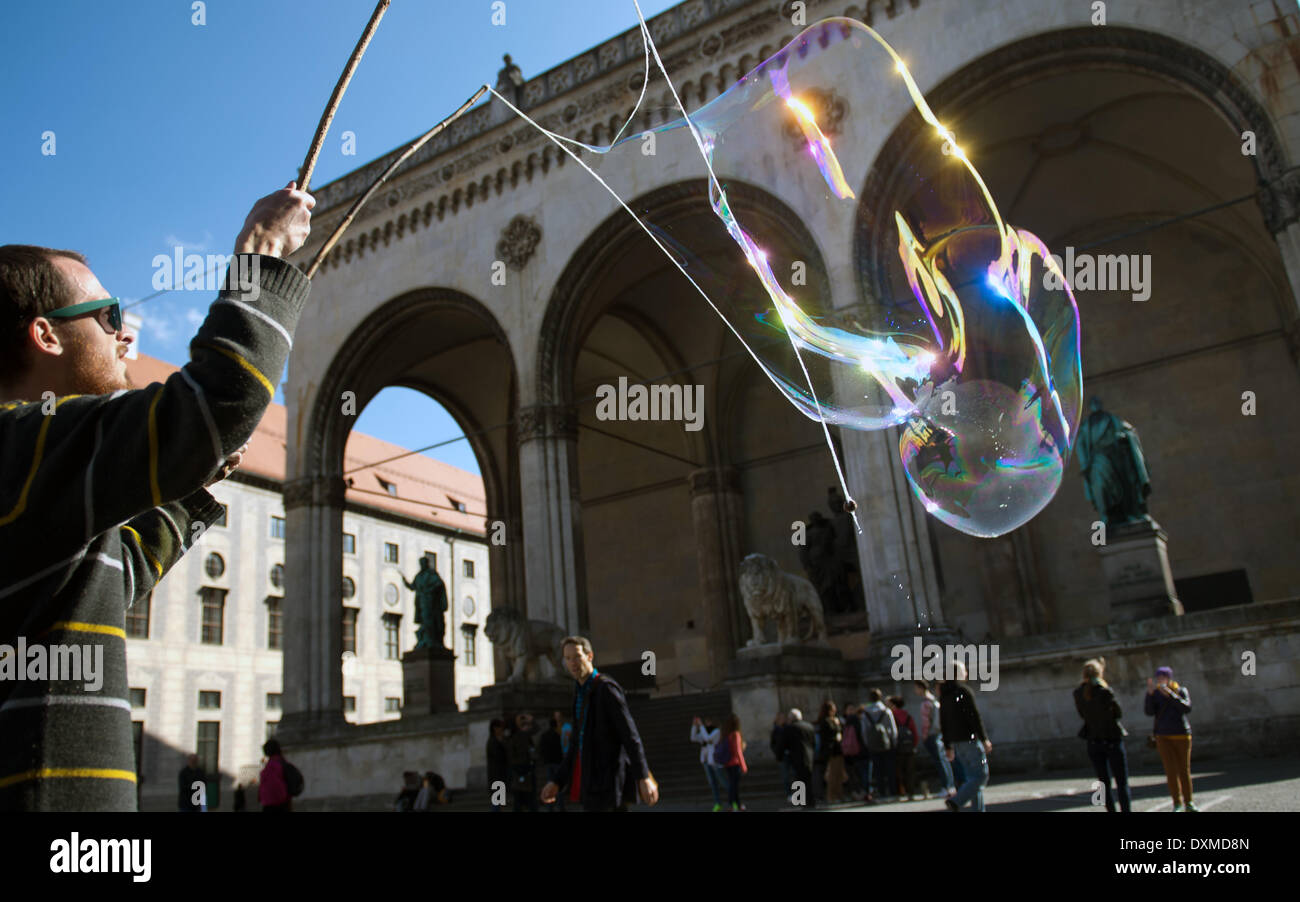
(166, 132)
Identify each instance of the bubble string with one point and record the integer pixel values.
(563, 143)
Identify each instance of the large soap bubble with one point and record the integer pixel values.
(913, 305)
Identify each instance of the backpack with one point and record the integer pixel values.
(907, 737)
(293, 780)
(721, 751)
(878, 734)
(849, 744)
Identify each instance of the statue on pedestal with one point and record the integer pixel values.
(430, 606)
(525, 644)
(1114, 470)
(772, 595)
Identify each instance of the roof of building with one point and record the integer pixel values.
(414, 486)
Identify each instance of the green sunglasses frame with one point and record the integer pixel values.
(114, 314)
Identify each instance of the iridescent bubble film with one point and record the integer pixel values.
(893, 298)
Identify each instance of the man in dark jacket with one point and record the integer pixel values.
(801, 745)
(964, 739)
(190, 774)
(523, 763)
(105, 486)
(550, 749)
(605, 766)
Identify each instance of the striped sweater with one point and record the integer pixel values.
(98, 500)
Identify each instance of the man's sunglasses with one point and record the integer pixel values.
(111, 323)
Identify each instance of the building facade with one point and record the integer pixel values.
(205, 651)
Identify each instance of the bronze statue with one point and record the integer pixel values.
(430, 606)
(1114, 471)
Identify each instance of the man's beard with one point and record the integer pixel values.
(92, 374)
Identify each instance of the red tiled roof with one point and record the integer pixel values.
(425, 488)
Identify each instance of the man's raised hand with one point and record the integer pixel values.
(278, 224)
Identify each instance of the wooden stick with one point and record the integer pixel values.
(313, 153)
(383, 177)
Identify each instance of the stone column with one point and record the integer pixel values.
(553, 569)
(1279, 203)
(898, 573)
(716, 510)
(313, 627)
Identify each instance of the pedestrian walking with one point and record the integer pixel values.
(1168, 703)
(1103, 732)
(780, 752)
(274, 792)
(965, 739)
(800, 745)
(851, 745)
(882, 740)
(521, 755)
(930, 738)
(734, 742)
(605, 767)
(188, 792)
(498, 763)
(550, 751)
(241, 801)
(707, 735)
(830, 735)
(905, 753)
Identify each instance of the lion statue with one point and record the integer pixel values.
(524, 642)
(772, 594)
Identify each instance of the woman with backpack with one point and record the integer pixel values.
(730, 752)
(830, 734)
(1169, 703)
(881, 734)
(707, 735)
(1104, 733)
(905, 752)
(930, 736)
(272, 787)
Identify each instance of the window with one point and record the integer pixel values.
(390, 553)
(221, 521)
(392, 705)
(137, 618)
(277, 576)
(349, 543)
(214, 615)
(469, 568)
(277, 527)
(274, 623)
(270, 728)
(137, 741)
(392, 634)
(470, 634)
(350, 630)
(209, 746)
(273, 701)
(349, 587)
(209, 700)
(457, 505)
(389, 487)
(468, 606)
(214, 565)
(349, 704)
(137, 698)
(391, 595)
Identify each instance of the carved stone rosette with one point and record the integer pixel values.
(518, 242)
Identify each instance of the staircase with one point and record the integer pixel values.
(665, 728)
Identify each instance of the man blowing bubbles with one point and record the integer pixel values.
(104, 484)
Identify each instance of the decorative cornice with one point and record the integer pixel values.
(1279, 202)
(684, 40)
(315, 491)
(713, 481)
(546, 421)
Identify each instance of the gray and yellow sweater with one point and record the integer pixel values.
(99, 497)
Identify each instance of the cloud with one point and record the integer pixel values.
(172, 240)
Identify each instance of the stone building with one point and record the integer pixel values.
(632, 532)
(206, 648)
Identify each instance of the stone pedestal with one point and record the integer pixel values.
(881, 659)
(1136, 564)
(766, 679)
(428, 682)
